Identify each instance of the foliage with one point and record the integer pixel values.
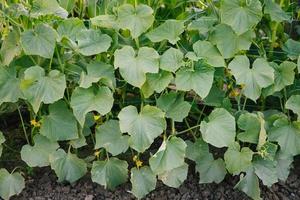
(133, 89)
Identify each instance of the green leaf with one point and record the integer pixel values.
(169, 156)
(98, 99)
(233, 43)
(293, 103)
(287, 134)
(284, 74)
(143, 181)
(92, 42)
(2, 140)
(156, 82)
(170, 30)
(10, 47)
(142, 127)
(70, 28)
(38, 155)
(171, 60)
(249, 184)
(292, 48)
(261, 75)
(10, 184)
(98, 71)
(67, 166)
(298, 64)
(211, 170)
(110, 173)
(49, 7)
(38, 88)
(174, 106)
(283, 166)
(175, 177)
(199, 79)
(109, 136)
(197, 151)
(133, 67)
(137, 20)
(39, 41)
(275, 11)
(105, 21)
(237, 160)
(219, 131)
(265, 170)
(60, 124)
(241, 15)
(250, 124)
(203, 24)
(9, 85)
(205, 50)
(67, 4)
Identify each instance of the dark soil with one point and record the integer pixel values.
(43, 186)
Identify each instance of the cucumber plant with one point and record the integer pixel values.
(134, 90)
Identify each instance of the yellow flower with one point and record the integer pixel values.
(35, 123)
(97, 117)
(135, 158)
(97, 154)
(138, 163)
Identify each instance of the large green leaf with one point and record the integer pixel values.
(156, 82)
(94, 98)
(67, 166)
(38, 87)
(110, 173)
(142, 127)
(138, 20)
(10, 184)
(284, 74)
(207, 51)
(292, 48)
(211, 170)
(287, 134)
(2, 140)
(199, 79)
(10, 47)
(175, 177)
(237, 159)
(275, 11)
(293, 103)
(39, 41)
(105, 21)
(219, 131)
(98, 71)
(174, 106)
(49, 7)
(250, 124)
(38, 155)
(197, 151)
(261, 75)
(60, 124)
(284, 163)
(170, 30)
(266, 170)
(110, 137)
(143, 181)
(241, 15)
(169, 156)
(203, 24)
(70, 28)
(92, 42)
(133, 67)
(249, 184)
(9, 85)
(233, 43)
(171, 60)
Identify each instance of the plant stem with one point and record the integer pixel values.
(187, 130)
(23, 125)
(173, 127)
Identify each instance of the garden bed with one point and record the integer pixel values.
(43, 185)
